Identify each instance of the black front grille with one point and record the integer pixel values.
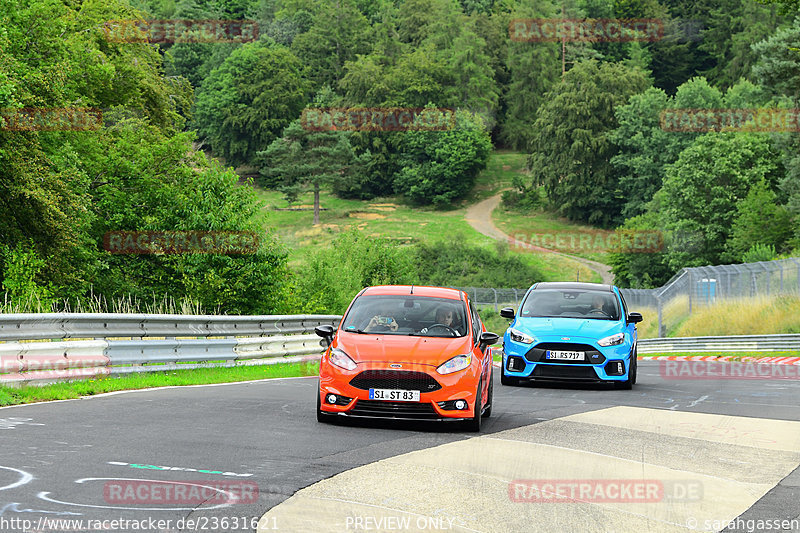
(395, 379)
(414, 410)
(578, 373)
(591, 354)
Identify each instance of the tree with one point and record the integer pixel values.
(440, 166)
(533, 70)
(702, 189)
(246, 102)
(338, 33)
(644, 148)
(303, 158)
(778, 72)
(732, 26)
(760, 220)
(474, 84)
(572, 147)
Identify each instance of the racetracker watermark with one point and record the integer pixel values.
(752, 120)
(585, 30)
(51, 119)
(378, 119)
(603, 490)
(149, 492)
(678, 370)
(592, 241)
(180, 242)
(181, 31)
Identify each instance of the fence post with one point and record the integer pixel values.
(691, 288)
(495, 299)
(661, 328)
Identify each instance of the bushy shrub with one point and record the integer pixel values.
(333, 276)
(458, 264)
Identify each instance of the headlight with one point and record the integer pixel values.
(341, 359)
(459, 362)
(518, 336)
(613, 340)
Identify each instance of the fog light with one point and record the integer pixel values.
(460, 404)
(331, 398)
(615, 368)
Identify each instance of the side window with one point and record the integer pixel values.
(476, 322)
(624, 307)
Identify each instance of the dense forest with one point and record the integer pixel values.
(588, 113)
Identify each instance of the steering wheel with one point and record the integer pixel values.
(599, 311)
(445, 326)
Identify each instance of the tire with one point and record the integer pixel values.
(628, 383)
(490, 396)
(508, 380)
(474, 425)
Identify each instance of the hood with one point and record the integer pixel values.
(365, 347)
(555, 328)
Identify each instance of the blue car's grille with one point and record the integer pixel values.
(592, 355)
(577, 373)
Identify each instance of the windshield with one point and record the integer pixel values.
(571, 303)
(406, 315)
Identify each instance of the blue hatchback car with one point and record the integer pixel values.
(578, 332)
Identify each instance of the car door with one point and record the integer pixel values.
(630, 327)
(486, 363)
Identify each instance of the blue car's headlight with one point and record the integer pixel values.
(518, 336)
(613, 340)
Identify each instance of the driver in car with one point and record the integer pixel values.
(446, 317)
(598, 305)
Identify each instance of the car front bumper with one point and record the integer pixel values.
(600, 363)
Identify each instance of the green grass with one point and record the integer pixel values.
(201, 376)
(502, 167)
(734, 356)
(543, 222)
(391, 218)
(384, 217)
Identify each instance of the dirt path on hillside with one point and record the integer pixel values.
(479, 217)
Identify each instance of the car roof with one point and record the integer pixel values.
(573, 285)
(415, 290)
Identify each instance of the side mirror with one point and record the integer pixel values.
(507, 312)
(635, 317)
(326, 332)
(488, 338)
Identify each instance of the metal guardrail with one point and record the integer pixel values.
(33, 326)
(126, 343)
(731, 343)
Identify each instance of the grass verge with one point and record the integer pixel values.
(199, 376)
(734, 356)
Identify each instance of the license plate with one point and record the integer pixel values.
(394, 395)
(568, 356)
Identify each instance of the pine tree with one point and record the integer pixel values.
(302, 158)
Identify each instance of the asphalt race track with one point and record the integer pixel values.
(718, 450)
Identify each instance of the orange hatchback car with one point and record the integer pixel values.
(407, 353)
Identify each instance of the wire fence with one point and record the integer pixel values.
(689, 289)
